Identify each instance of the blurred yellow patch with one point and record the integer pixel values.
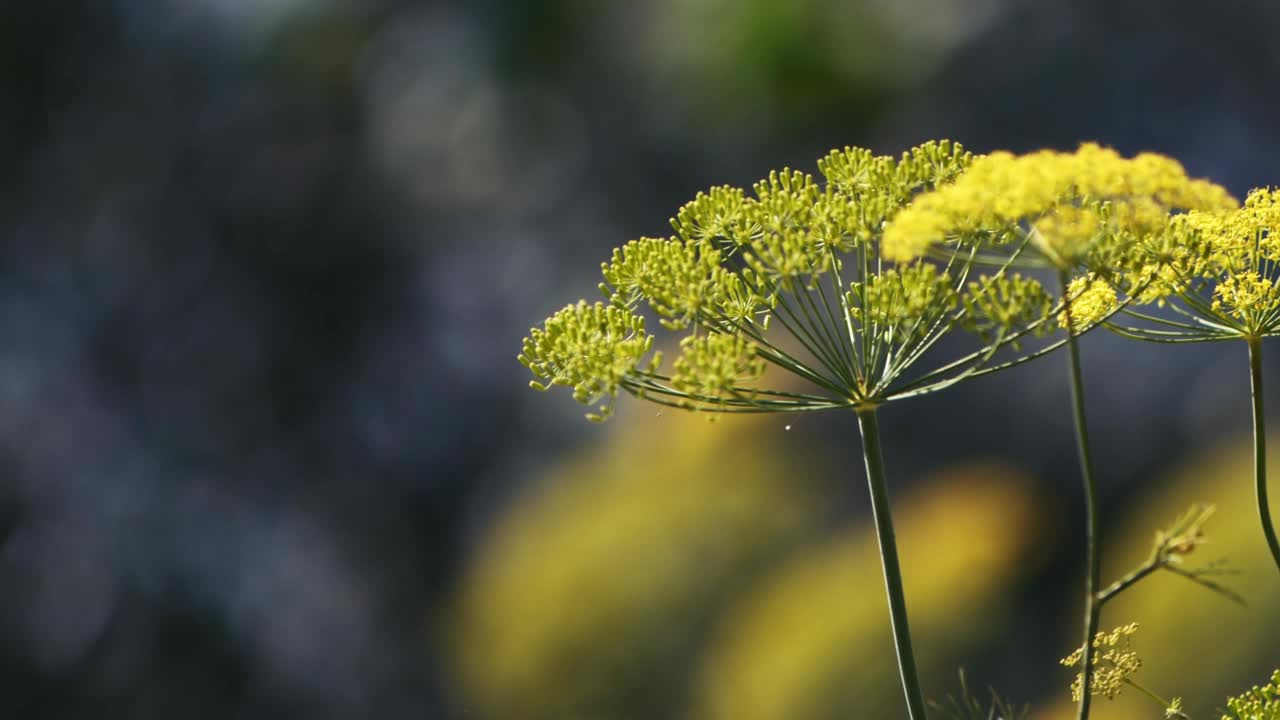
(814, 642)
(592, 594)
(1196, 644)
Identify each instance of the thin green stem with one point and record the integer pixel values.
(1162, 321)
(870, 427)
(1260, 448)
(807, 339)
(916, 343)
(1149, 693)
(1199, 579)
(834, 327)
(968, 372)
(1169, 338)
(1093, 572)
(838, 288)
(1129, 580)
(1160, 561)
(826, 330)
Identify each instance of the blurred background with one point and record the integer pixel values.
(265, 450)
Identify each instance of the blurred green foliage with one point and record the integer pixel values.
(811, 57)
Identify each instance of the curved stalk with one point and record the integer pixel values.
(1093, 572)
(1260, 449)
(870, 427)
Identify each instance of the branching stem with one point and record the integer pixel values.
(1128, 580)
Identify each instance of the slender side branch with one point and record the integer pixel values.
(1128, 580)
(870, 427)
(1200, 579)
(1260, 449)
(1171, 546)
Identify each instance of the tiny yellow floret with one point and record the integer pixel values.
(1090, 301)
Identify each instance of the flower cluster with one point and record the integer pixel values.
(1242, 237)
(712, 367)
(1258, 703)
(680, 279)
(1245, 295)
(1167, 263)
(794, 257)
(1114, 662)
(1091, 212)
(1218, 270)
(1068, 199)
(590, 348)
(848, 281)
(996, 305)
(1092, 300)
(902, 302)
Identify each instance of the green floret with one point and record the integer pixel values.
(1003, 304)
(717, 366)
(590, 348)
(903, 302)
(1258, 703)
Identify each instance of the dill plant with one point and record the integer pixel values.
(1086, 214)
(1115, 660)
(849, 284)
(1212, 276)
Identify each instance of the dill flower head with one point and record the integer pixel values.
(1114, 658)
(1068, 202)
(794, 257)
(1239, 238)
(1257, 703)
(849, 279)
(1246, 292)
(1218, 269)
